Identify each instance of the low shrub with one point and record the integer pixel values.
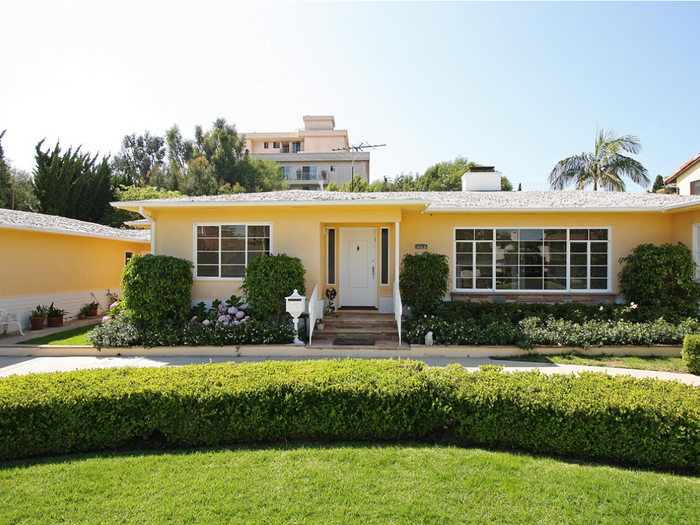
(646, 422)
(691, 353)
(157, 288)
(424, 282)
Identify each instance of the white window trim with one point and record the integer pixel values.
(335, 258)
(388, 256)
(219, 224)
(492, 291)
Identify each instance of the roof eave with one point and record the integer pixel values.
(75, 234)
(134, 205)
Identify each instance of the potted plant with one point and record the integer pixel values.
(55, 316)
(92, 308)
(320, 325)
(37, 317)
(83, 313)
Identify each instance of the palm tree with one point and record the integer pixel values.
(604, 167)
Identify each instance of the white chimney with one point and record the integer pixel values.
(481, 178)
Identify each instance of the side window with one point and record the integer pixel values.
(128, 256)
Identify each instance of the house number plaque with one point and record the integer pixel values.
(421, 246)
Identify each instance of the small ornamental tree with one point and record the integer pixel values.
(660, 276)
(157, 288)
(424, 281)
(268, 280)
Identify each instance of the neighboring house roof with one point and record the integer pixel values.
(673, 176)
(24, 220)
(439, 201)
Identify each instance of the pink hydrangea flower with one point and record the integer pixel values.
(205, 322)
(240, 314)
(105, 318)
(113, 305)
(233, 310)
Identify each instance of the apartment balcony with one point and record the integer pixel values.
(290, 149)
(306, 175)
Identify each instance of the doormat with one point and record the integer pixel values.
(354, 341)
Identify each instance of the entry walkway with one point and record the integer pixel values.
(28, 365)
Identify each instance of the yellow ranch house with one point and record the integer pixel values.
(502, 246)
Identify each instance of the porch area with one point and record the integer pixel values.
(358, 328)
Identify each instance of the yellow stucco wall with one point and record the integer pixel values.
(683, 182)
(40, 263)
(299, 232)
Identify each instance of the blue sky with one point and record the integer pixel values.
(517, 85)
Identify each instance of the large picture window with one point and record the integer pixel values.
(550, 259)
(224, 250)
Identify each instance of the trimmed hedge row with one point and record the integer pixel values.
(643, 422)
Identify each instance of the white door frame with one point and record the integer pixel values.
(342, 233)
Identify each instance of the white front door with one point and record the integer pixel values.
(358, 255)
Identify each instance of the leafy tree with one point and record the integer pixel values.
(5, 180)
(505, 184)
(25, 200)
(605, 166)
(256, 175)
(658, 184)
(222, 147)
(444, 176)
(332, 186)
(360, 185)
(72, 184)
(199, 178)
(139, 158)
(117, 217)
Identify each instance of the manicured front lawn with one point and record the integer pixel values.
(659, 363)
(367, 484)
(72, 337)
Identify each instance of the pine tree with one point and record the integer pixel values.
(5, 179)
(658, 184)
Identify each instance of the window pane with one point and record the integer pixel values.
(579, 284)
(531, 259)
(555, 284)
(555, 247)
(506, 284)
(579, 258)
(506, 235)
(465, 247)
(578, 271)
(556, 258)
(465, 271)
(484, 284)
(530, 271)
(599, 247)
(578, 235)
(506, 271)
(484, 271)
(331, 256)
(483, 235)
(465, 284)
(599, 271)
(599, 259)
(531, 247)
(531, 235)
(207, 231)
(232, 257)
(578, 247)
(465, 259)
(233, 244)
(232, 271)
(599, 284)
(555, 235)
(506, 246)
(253, 255)
(484, 258)
(385, 256)
(207, 271)
(531, 284)
(207, 257)
(599, 235)
(258, 231)
(507, 259)
(262, 245)
(464, 235)
(555, 271)
(208, 245)
(484, 247)
(232, 230)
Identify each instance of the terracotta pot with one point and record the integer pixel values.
(37, 322)
(92, 313)
(55, 321)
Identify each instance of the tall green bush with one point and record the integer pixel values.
(691, 353)
(268, 280)
(157, 288)
(424, 281)
(660, 276)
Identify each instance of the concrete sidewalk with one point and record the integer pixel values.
(27, 365)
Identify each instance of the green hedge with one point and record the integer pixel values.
(157, 288)
(691, 353)
(424, 281)
(269, 279)
(642, 422)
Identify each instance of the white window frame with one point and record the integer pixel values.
(388, 256)
(333, 167)
(266, 145)
(219, 224)
(128, 254)
(335, 257)
(494, 290)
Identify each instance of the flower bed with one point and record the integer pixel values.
(527, 325)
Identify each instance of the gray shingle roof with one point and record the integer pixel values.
(452, 200)
(25, 220)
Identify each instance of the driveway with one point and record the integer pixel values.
(28, 365)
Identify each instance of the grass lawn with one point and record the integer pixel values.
(74, 336)
(339, 484)
(663, 364)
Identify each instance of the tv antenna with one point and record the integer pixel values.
(351, 153)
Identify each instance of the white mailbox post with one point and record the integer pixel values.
(296, 305)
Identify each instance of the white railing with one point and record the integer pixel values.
(398, 308)
(315, 311)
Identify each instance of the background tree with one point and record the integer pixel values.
(444, 176)
(25, 200)
(72, 184)
(139, 158)
(658, 184)
(605, 166)
(256, 175)
(222, 147)
(5, 180)
(506, 184)
(117, 217)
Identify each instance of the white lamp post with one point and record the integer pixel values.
(296, 305)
